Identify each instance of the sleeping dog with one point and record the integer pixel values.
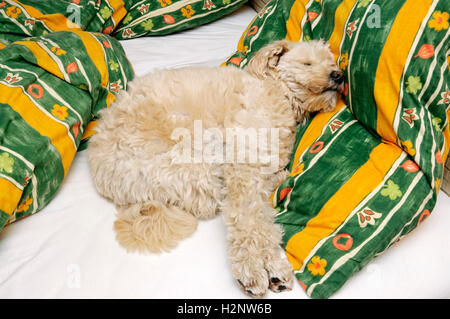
(159, 194)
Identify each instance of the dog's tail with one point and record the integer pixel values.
(152, 226)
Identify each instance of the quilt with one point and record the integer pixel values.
(367, 174)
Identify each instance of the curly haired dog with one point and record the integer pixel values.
(133, 155)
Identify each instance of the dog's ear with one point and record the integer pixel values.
(266, 59)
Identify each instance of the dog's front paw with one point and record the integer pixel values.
(256, 289)
(252, 279)
(272, 272)
(280, 273)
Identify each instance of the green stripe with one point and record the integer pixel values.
(314, 188)
(3, 218)
(270, 27)
(159, 26)
(324, 28)
(17, 135)
(419, 68)
(380, 203)
(378, 244)
(365, 58)
(313, 8)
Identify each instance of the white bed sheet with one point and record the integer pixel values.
(68, 250)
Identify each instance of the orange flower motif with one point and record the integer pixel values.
(25, 205)
(236, 61)
(13, 12)
(317, 266)
(60, 112)
(165, 2)
(187, 11)
(439, 21)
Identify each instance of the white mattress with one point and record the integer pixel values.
(68, 250)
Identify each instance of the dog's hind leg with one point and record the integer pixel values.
(152, 226)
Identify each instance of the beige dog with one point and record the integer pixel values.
(134, 157)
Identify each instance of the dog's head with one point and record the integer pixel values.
(306, 69)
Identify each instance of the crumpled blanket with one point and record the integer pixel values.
(52, 85)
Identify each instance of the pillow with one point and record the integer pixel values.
(52, 88)
(34, 18)
(124, 19)
(161, 17)
(368, 173)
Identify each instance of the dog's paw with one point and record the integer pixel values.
(253, 288)
(252, 279)
(280, 273)
(272, 272)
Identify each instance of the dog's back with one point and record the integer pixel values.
(132, 155)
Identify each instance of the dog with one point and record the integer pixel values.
(133, 155)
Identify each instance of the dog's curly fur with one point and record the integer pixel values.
(158, 201)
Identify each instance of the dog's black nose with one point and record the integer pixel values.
(337, 77)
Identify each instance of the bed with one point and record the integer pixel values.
(68, 250)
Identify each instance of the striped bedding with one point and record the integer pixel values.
(51, 89)
(364, 176)
(122, 19)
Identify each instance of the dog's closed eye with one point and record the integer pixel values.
(306, 63)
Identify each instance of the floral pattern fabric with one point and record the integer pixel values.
(51, 89)
(145, 18)
(368, 173)
(122, 19)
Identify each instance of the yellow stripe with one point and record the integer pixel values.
(95, 51)
(119, 10)
(43, 58)
(89, 131)
(293, 23)
(55, 22)
(336, 210)
(314, 130)
(42, 123)
(2, 46)
(110, 99)
(9, 196)
(340, 18)
(447, 139)
(392, 62)
(93, 48)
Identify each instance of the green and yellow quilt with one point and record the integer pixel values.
(367, 174)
